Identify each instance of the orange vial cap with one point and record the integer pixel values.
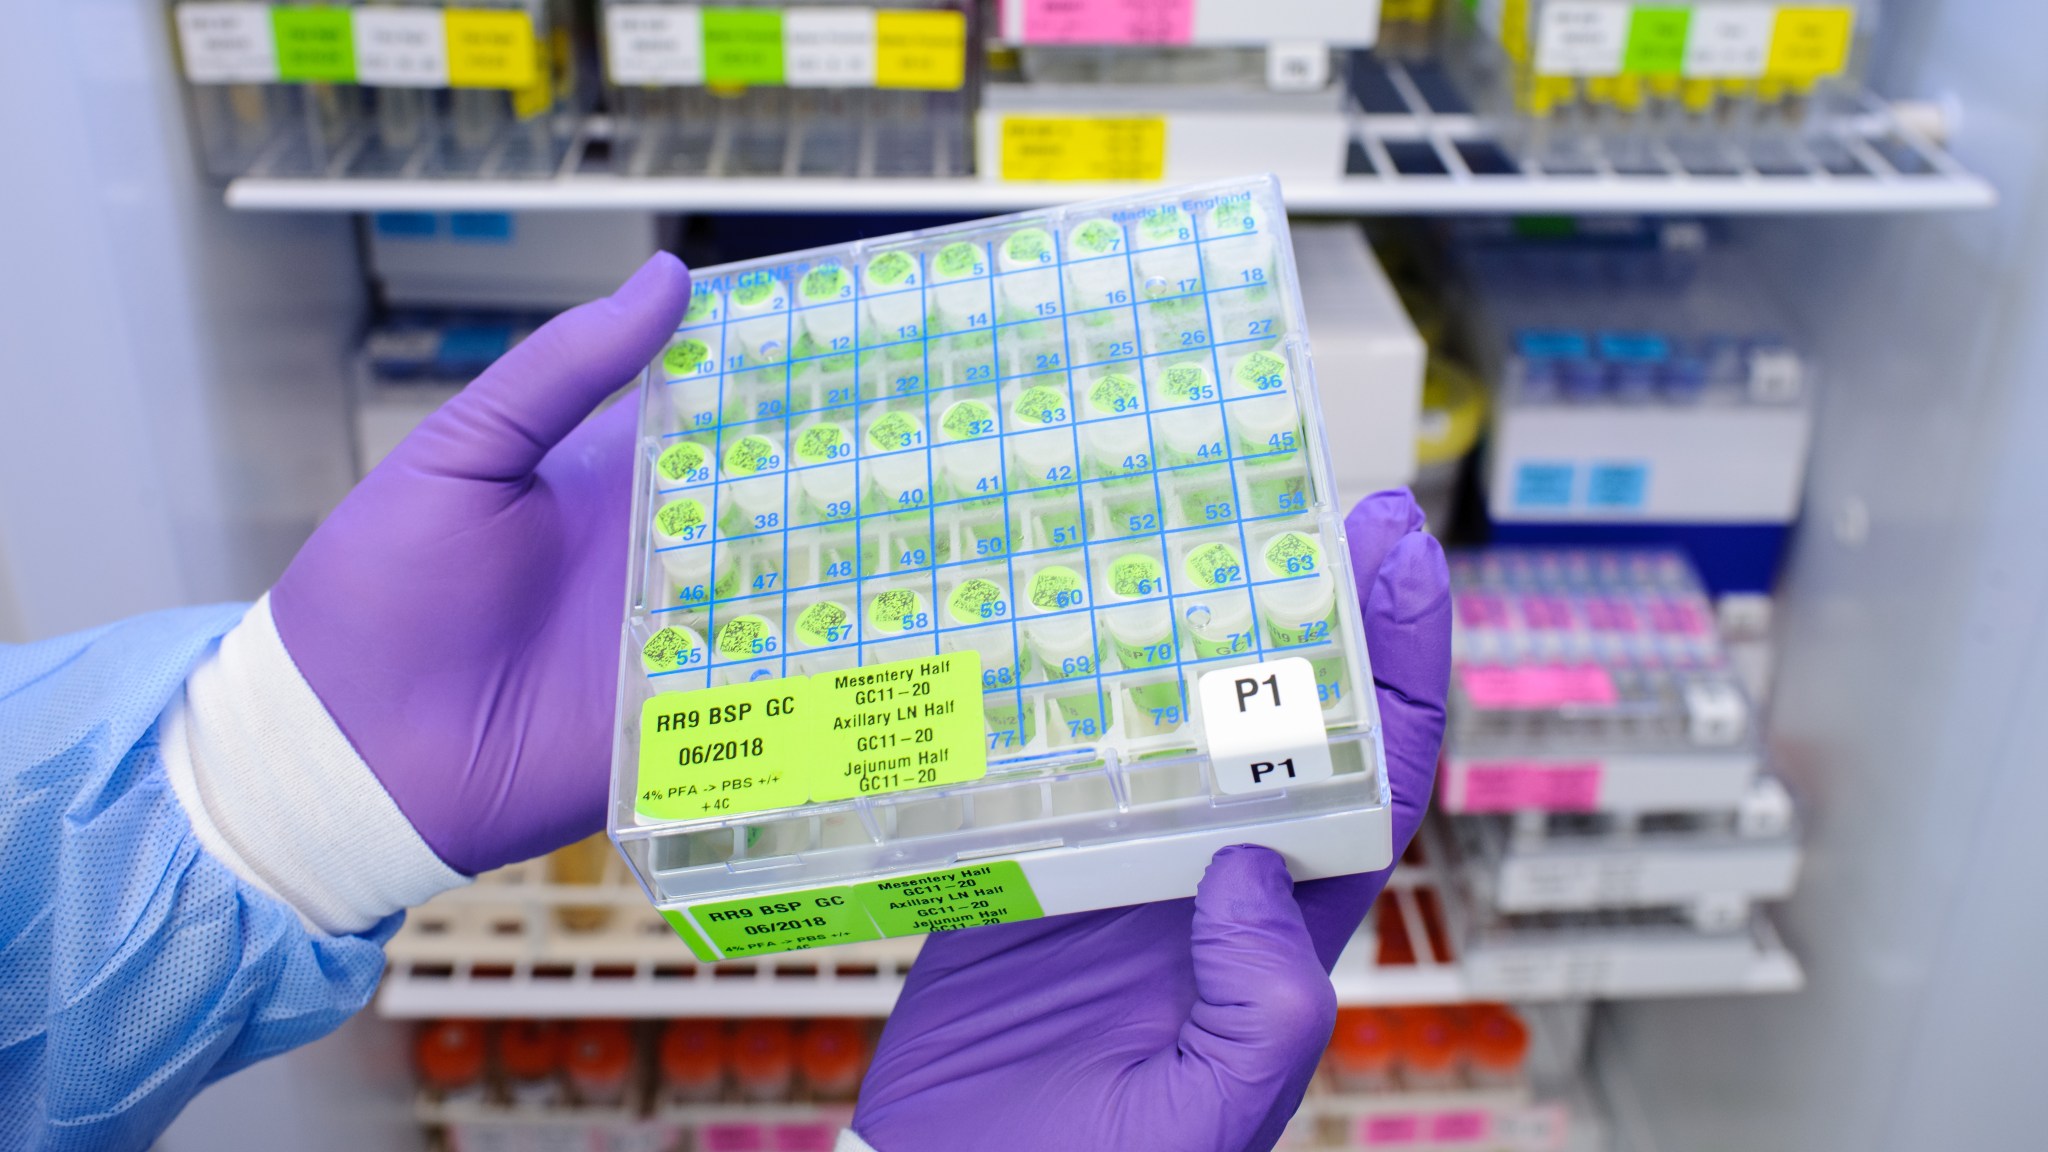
(830, 1054)
(1365, 1039)
(598, 1054)
(1431, 1040)
(1499, 1040)
(763, 1050)
(449, 1054)
(529, 1049)
(692, 1051)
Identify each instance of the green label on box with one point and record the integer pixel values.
(1656, 41)
(969, 897)
(886, 727)
(699, 947)
(742, 45)
(724, 751)
(786, 922)
(315, 44)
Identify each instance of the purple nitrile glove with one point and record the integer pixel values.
(1188, 1025)
(458, 614)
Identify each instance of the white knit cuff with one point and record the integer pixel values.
(848, 1142)
(279, 795)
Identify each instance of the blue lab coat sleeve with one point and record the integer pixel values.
(135, 968)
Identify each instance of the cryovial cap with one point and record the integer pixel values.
(599, 1053)
(1186, 384)
(1429, 1039)
(685, 356)
(889, 271)
(745, 637)
(822, 442)
(1056, 588)
(671, 648)
(1113, 395)
(957, 261)
(1235, 216)
(897, 610)
(1213, 565)
(682, 519)
(1364, 1039)
(1136, 575)
(758, 294)
(684, 463)
(1042, 405)
(823, 284)
(830, 1053)
(822, 624)
(1027, 247)
(692, 1051)
(751, 456)
(703, 306)
(976, 601)
(1260, 372)
(1165, 224)
(895, 431)
(967, 420)
(529, 1049)
(1293, 554)
(449, 1054)
(1094, 238)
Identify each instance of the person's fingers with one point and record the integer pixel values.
(1374, 525)
(1408, 638)
(501, 426)
(1263, 1007)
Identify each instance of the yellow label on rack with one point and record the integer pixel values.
(488, 48)
(1083, 147)
(725, 751)
(1810, 43)
(887, 727)
(923, 50)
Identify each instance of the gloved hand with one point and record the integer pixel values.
(1186, 1025)
(459, 613)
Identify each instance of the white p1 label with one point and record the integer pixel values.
(1264, 724)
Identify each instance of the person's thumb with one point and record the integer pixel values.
(1263, 1007)
(501, 426)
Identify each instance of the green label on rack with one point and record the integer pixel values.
(315, 44)
(723, 751)
(785, 922)
(970, 897)
(742, 45)
(886, 727)
(1656, 41)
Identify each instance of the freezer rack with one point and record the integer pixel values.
(1413, 150)
(501, 948)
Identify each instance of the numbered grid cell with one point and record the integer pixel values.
(751, 508)
(1035, 346)
(1122, 509)
(685, 461)
(892, 544)
(755, 295)
(706, 310)
(1180, 380)
(672, 649)
(754, 394)
(977, 530)
(1216, 626)
(895, 467)
(893, 372)
(1109, 391)
(693, 354)
(823, 383)
(1206, 559)
(746, 639)
(1100, 339)
(1038, 401)
(961, 293)
(1254, 369)
(1031, 294)
(1196, 496)
(897, 618)
(693, 405)
(1097, 267)
(892, 303)
(1041, 460)
(1174, 325)
(820, 555)
(964, 360)
(1120, 448)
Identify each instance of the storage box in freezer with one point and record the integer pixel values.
(989, 572)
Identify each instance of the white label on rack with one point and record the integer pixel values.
(401, 47)
(1582, 38)
(1264, 724)
(227, 43)
(1729, 40)
(828, 47)
(654, 43)
(1297, 65)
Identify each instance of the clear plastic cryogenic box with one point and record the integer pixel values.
(990, 572)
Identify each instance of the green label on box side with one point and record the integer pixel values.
(969, 897)
(742, 45)
(887, 727)
(315, 44)
(724, 751)
(1656, 41)
(785, 922)
(681, 923)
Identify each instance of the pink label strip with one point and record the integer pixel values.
(1108, 21)
(1533, 686)
(732, 1138)
(1389, 1130)
(1519, 786)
